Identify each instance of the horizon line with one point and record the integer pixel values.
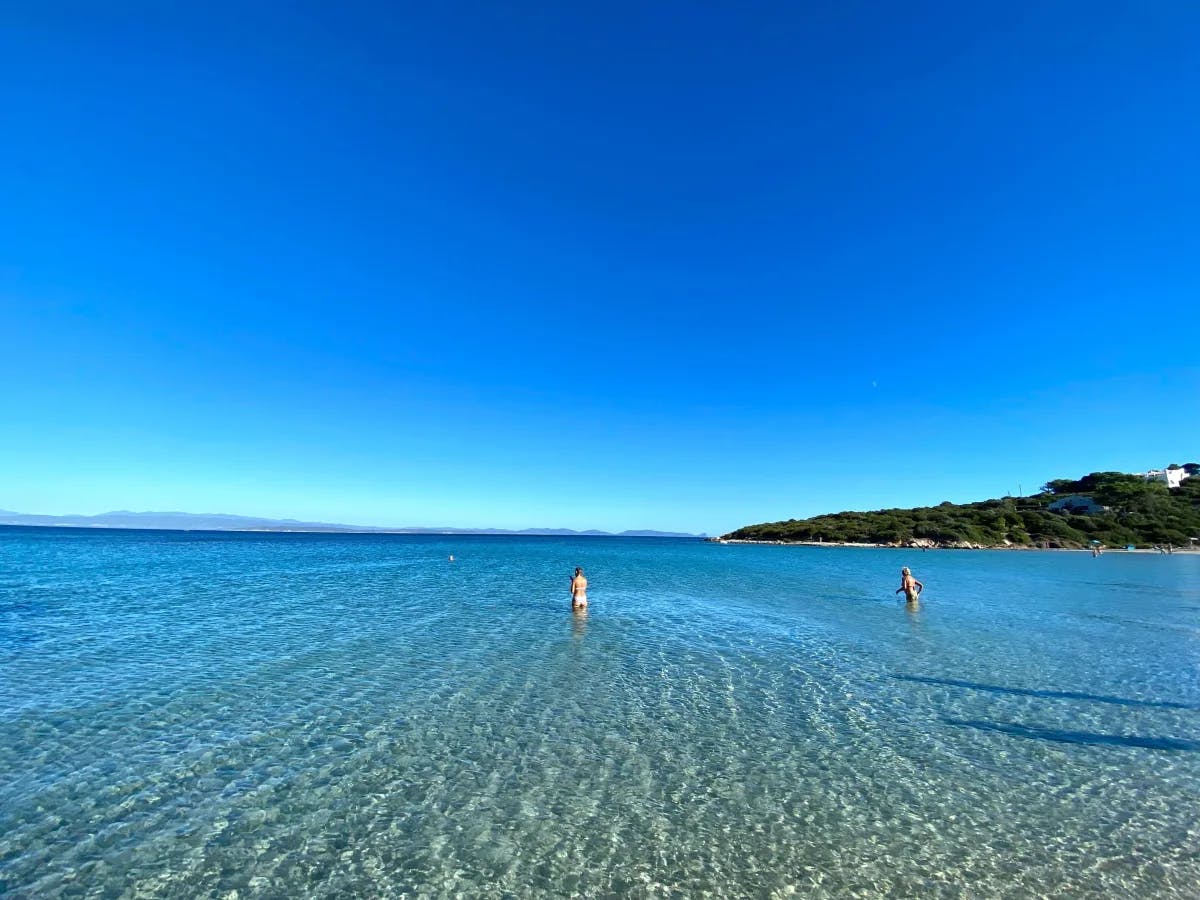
(176, 520)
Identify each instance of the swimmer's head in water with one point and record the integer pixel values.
(578, 570)
(905, 571)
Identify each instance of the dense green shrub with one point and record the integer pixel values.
(1138, 512)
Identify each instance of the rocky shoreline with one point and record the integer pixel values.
(921, 544)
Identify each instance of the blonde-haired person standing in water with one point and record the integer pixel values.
(911, 587)
(578, 590)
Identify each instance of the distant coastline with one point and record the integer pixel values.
(181, 521)
(1156, 508)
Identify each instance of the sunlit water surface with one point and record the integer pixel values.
(200, 714)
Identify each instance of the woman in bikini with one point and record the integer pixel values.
(578, 590)
(911, 587)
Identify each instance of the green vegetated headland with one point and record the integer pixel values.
(1114, 508)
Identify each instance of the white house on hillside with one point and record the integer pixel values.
(1084, 506)
(1172, 477)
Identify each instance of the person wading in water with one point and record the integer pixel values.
(578, 590)
(911, 587)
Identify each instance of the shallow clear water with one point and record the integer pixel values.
(328, 715)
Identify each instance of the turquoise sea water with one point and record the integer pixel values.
(228, 715)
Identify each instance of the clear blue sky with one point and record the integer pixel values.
(678, 266)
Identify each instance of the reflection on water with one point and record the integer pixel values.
(307, 715)
(579, 618)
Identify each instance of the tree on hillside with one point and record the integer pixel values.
(1118, 493)
(1061, 486)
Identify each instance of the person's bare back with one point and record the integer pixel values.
(911, 587)
(578, 590)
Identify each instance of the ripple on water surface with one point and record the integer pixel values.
(287, 715)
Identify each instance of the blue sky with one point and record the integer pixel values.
(677, 266)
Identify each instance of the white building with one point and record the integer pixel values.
(1173, 478)
(1084, 506)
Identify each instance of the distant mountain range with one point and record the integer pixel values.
(181, 521)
